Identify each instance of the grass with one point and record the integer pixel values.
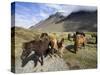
(85, 58)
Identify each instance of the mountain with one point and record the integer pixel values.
(81, 21)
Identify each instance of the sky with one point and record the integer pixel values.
(28, 14)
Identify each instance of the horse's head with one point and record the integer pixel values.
(44, 36)
(60, 43)
(62, 40)
(26, 51)
(80, 40)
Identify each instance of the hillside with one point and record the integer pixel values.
(82, 21)
(21, 35)
(85, 58)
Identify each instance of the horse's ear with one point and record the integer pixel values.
(41, 35)
(62, 39)
(46, 34)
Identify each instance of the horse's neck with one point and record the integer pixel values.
(45, 42)
(62, 41)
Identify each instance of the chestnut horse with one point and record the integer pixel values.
(80, 40)
(61, 47)
(53, 43)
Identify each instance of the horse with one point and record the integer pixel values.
(61, 47)
(70, 35)
(53, 43)
(81, 33)
(80, 40)
(38, 46)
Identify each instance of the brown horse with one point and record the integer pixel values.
(53, 43)
(61, 47)
(38, 46)
(80, 40)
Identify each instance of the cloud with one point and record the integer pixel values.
(87, 8)
(67, 9)
(25, 21)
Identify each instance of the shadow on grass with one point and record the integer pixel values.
(32, 57)
(89, 42)
(73, 67)
(70, 48)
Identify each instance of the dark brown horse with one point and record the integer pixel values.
(80, 40)
(38, 46)
(80, 33)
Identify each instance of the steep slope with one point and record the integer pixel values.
(82, 20)
(49, 23)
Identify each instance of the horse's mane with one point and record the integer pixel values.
(52, 36)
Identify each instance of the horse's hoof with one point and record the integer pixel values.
(41, 64)
(75, 52)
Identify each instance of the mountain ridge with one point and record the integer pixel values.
(80, 20)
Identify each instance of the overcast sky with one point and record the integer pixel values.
(28, 14)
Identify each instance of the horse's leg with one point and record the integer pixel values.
(63, 51)
(36, 60)
(42, 60)
(50, 55)
(60, 52)
(84, 44)
(75, 48)
(53, 51)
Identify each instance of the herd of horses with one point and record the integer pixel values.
(49, 45)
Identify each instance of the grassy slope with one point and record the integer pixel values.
(21, 36)
(85, 58)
